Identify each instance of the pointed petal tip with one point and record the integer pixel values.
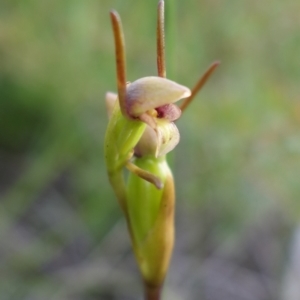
(215, 64)
(159, 186)
(114, 16)
(186, 93)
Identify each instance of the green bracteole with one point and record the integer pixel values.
(151, 213)
(122, 135)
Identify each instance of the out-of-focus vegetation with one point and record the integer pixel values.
(236, 167)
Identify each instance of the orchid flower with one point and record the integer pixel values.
(141, 131)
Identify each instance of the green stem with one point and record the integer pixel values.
(152, 292)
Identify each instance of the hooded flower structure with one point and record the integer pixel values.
(141, 131)
(149, 100)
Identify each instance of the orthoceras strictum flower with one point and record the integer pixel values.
(149, 100)
(141, 131)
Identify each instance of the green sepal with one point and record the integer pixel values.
(151, 218)
(121, 137)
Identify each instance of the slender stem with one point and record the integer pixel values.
(120, 58)
(160, 33)
(152, 292)
(199, 85)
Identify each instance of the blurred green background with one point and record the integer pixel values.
(236, 167)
